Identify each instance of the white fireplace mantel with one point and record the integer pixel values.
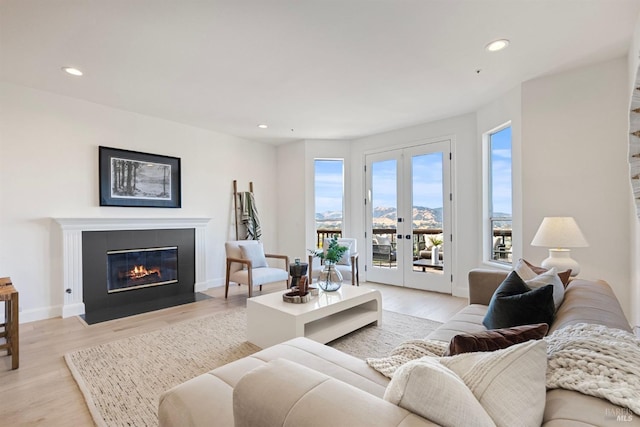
(72, 229)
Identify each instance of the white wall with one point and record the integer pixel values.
(292, 202)
(462, 132)
(574, 163)
(49, 159)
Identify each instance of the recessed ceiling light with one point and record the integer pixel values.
(497, 45)
(72, 71)
(261, 126)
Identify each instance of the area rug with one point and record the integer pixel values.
(122, 380)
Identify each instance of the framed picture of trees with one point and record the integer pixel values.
(131, 178)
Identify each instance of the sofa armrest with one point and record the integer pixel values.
(285, 393)
(483, 283)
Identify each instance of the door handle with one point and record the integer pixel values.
(408, 237)
(399, 236)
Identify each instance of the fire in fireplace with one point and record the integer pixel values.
(141, 268)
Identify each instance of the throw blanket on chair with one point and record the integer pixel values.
(597, 361)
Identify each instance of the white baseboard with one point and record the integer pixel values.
(460, 291)
(33, 315)
(200, 286)
(75, 309)
(213, 283)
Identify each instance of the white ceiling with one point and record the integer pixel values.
(308, 68)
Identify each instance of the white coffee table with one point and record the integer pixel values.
(326, 317)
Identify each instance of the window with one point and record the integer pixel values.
(500, 205)
(329, 202)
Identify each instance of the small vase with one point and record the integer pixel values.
(330, 278)
(435, 255)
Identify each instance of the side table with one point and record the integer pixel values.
(9, 295)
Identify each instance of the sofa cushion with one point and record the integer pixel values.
(495, 339)
(570, 408)
(207, 399)
(509, 384)
(202, 401)
(260, 275)
(285, 393)
(514, 304)
(590, 302)
(467, 320)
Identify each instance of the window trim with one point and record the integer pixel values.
(487, 231)
(315, 195)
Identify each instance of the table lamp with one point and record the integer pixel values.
(559, 234)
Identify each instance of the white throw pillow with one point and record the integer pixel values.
(524, 271)
(346, 256)
(427, 388)
(534, 281)
(384, 241)
(549, 278)
(254, 253)
(510, 384)
(345, 259)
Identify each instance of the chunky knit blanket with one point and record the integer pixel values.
(597, 361)
(406, 352)
(591, 359)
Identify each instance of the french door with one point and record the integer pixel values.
(408, 211)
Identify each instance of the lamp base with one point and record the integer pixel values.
(561, 260)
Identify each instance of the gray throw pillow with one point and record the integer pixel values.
(254, 253)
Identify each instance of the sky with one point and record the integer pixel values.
(329, 185)
(426, 177)
(501, 171)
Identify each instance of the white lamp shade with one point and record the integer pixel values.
(559, 232)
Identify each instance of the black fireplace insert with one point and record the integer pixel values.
(127, 272)
(141, 268)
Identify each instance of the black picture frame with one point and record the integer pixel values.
(135, 179)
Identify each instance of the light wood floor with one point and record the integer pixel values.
(42, 391)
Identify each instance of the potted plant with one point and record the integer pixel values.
(330, 278)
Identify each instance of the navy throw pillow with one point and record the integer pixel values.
(515, 304)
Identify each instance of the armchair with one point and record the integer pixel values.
(348, 265)
(383, 250)
(247, 265)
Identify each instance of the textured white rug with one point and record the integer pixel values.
(122, 380)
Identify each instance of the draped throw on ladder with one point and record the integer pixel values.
(249, 215)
